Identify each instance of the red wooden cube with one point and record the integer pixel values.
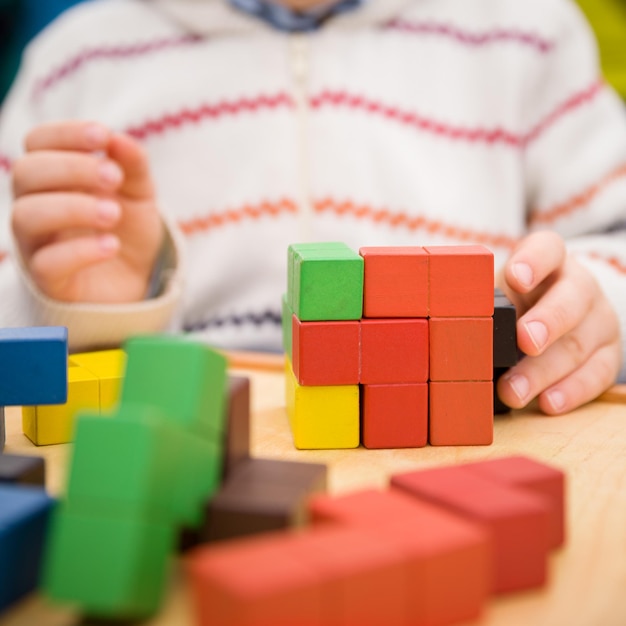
(396, 281)
(461, 281)
(461, 413)
(394, 351)
(519, 521)
(461, 348)
(394, 416)
(326, 353)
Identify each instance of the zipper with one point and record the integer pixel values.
(299, 60)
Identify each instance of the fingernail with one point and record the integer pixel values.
(538, 333)
(96, 135)
(110, 173)
(520, 386)
(523, 274)
(556, 400)
(109, 243)
(108, 211)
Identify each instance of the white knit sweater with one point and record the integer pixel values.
(407, 122)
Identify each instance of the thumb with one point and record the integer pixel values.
(131, 157)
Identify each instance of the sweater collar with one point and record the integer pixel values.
(218, 17)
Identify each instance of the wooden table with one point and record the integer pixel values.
(587, 577)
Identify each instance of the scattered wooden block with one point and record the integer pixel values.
(518, 521)
(237, 433)
(447, 558)
(24, 518)
(22, 470)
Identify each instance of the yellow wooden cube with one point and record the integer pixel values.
(94, 382)
(48, 424)
(324, 417)
(108, 366)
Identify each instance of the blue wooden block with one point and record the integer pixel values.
(24, 516)
(33, 366)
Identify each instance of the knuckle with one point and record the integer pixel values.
(575, 347)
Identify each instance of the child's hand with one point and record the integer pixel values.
(85, 215)
(566, 326)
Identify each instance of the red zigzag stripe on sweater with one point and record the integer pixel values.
(75, 63)
(209, 111)
(470, 39)
(5, 163)
(456, 133)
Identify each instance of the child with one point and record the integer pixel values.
(174, 148)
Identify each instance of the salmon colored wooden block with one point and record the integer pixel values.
(326, 353)
(461, 414)
(323, 417)
(394, 416)
(394, 351)
(461, 280)
(448, 558)
(396, 281)
(254, 582)
(541, 479)
(518, 521)
(461, 348)
(367, 579)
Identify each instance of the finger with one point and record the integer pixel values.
(532, 375)
(52, 266)
(583, 385)
(46, 171)
(130, 156)
(68, 135)
(36, 218)
(561, 309)
(536, 257)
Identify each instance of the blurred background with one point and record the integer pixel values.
(21, 20)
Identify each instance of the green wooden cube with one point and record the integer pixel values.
(140, 465)
(186, 380)
(109, 566)
(325, 282)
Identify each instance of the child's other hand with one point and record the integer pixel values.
(565, 325)
(84, 215)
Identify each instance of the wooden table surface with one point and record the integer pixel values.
(587, 585)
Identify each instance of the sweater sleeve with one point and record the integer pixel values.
(90, 326)
(575, 157)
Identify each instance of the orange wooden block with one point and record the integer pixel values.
(394, 416)
(461, 348)
(396, 281)
(518, 521)
(461, 280)
(254, 582)
(461, 413)
(541, 479)
(448, 559)
(394, 351)
(326, 353)
(366, 579)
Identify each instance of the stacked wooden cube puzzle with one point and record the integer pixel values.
(391, 347)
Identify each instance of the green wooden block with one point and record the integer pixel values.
(186, 380)
(325, 282)
(140, 465)
(109, 566)
(287, 315)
